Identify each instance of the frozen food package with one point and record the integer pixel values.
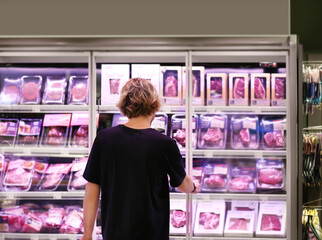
(113, 78)
(210, 217)
(150, 72)
(160, 123)
(19, 175)
(55, 89)
(119, 119)
(78, 136)
(260, 89)
(30, 90)
(40, 169)
(54, 174)
(178, 217)
(215, 177)
(12, 218)
(273, 131)
(32, 224)
(212, 131)
(270, 175)
(78, 90)
(278, 86)
(178, 129)
(217, 89)
(76, 179)
(242, 177)
(271, 219)
(8, 131)
(54, 219)
(10, 93)
(198, 86)
(238, 89)
(239, 224)
(171, 85)
(55, 130)
(29, 131)
(73, 222)
(244, 131)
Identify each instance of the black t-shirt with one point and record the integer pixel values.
(131, 167)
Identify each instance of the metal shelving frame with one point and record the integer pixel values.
(179, 49)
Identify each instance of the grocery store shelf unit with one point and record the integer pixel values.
(43, 195)
(45, 151)
(240, 109)
(234, 196)
(239, 153)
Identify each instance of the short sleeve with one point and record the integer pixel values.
(174, 165)
(92, 170)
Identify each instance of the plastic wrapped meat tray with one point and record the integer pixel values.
(273, 133)
(217, 89)
(78, 90)
(78, 136)
(73, 222)
(212, 131)
(10, 93)
(239, 224)
(3, 167)
(29, 131)
(244, 205)
(238, 89)
(39, 170)
(215, 177)
(30, 90)
(242, 178)
(178, 218)
(178, 129)
(198, 86)
(278, 89)
(76, 179)
(171, 85)
(260, 89)
(54, 219)
(12, 219)
(8, 131)
(54, 92)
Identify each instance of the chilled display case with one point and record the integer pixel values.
(237, 139)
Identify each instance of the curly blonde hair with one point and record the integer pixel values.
(138, 98)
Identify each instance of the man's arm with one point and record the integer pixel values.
(187, 185)
(90, 206)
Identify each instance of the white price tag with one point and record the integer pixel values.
(279, 126)
(220, 170)
(216, 123)
(249, 124)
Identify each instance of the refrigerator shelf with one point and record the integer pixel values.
(237, 153)
(43, 195)
(239, 109)
(40, 236)
(43, 108)
(238, 196)
(235, 238)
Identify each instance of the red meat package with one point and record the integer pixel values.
(178, 129)
(76, 179)
(8, 131)
(260, 89)
(79, 130)
(32, 224)
(39, 171)
(171, 85)
(73, 222)
(178, 218)
(19, 175)
(54, 219)
(242, 178)
(54, 92)
(212, 131)
(239, 224)
(217, 89)
(55, 173)
(270, 175)
(215, 177)
(78, 90)
(30, 89)
(238, 89)
(12, 219)
(273, 132)
(29, 131)
(278, 89)
(3, 166)
(198, 85)
(210, 217)
(10, 93)
(55, 130)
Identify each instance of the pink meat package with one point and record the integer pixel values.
(178, 218)
(10, 93)
(171, 85)
(54, 92)
(55, 130)
(270, 175)
(30, 90)
(78, 90)
(178, 129)
(40, 169)
(217, 89)
(242, 178)
(73, 222)
(19, 175)
(273, 133)
(212, 131)
(55, 173)
(54, 220)
(29, 131)
(12, 219)
(76, 179)
(278, 81)
(78, 136)
(238, 89)
(239, 224)
(215, 177)
(8, 131)
(34, 222)
(3, 167)
(260, 89)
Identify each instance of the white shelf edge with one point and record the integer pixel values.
(44, 151)
(238, 153)
(44, 108)
(40, 236)
(43, 195)
(239, 196)
(235, 238)
(239, 109)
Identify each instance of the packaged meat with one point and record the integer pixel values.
(178, 129)
(278, 89)
(54, 220)
(12, 219)
(32, 224)
(244, 132)
(76, 179)
(113, 78)
(273, 132)
(55, 89)
(212, 131)
(271, 219)
(10, 93)
(217, 89)
(19, 175)
(55, 173)
(178, 216)
(198, 86)
(39, 170)
(245, 205)
(196, 174)
(29, 131)
(239, 224)
(119, 119)
(55, 130)
(160, 123)
(78, 136)
(215, 177)
(270, 175)
(78, 90)
(73, 222)
(150, 72)
(210, 217)
(8, 131)
(3, 168)
(171, 85)
(238, 89)
(30, 90)
(260, 89)
(242, 177)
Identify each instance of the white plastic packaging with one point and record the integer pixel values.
(178, 217)
(54, 92)
(78, 90)
(149, 72)
(215, 177)
(76, 180)
(30, 90)
(78, 136)
(160, 123)
(242, 177)
(10, 93)
(239, 224)
(273, 131)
